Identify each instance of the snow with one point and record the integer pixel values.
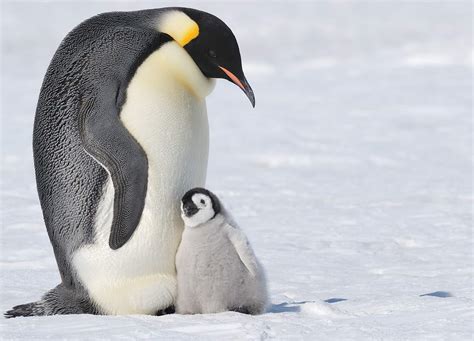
(352, 177)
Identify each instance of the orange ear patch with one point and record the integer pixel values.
(179, 26)
(193, 32)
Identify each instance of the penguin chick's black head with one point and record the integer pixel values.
(213, 47)
(198, 206)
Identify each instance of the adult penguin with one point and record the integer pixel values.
(120, 134)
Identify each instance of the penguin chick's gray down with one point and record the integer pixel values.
(216, 267)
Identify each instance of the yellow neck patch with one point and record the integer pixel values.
(179, 26)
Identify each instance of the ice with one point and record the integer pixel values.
(352, 177)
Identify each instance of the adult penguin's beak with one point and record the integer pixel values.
(242, 83)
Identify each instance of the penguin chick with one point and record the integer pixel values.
(216, 267)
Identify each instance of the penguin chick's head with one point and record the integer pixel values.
(210, 42)
(198, 206)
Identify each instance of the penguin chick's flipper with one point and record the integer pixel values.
(243, 248)
(106, 139)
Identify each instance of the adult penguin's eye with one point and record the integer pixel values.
(202, 201)
(212, 53)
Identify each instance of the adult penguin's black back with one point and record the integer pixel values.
(69, 181)
(79, 141)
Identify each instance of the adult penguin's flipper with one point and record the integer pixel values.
(106, 139)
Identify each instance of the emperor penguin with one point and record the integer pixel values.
(120, 134)
(217, 268)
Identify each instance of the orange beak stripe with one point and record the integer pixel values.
(233, 77)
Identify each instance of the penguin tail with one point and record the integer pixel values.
(28, 309)
(57, 301)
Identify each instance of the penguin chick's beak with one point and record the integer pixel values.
(189, 211)
(241, 83)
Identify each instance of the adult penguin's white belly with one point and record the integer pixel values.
(165, 112)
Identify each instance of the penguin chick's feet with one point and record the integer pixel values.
(250, 310)
(167, 311)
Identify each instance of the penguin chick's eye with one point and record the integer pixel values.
(212, 54)
(202, 201)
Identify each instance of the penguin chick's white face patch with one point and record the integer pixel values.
(179, 26)
(199, 213)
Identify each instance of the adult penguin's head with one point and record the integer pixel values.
(210, 42)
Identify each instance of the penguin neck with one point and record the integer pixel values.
(181, 66)
(215, 222)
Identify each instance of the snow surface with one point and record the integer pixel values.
(352, 177)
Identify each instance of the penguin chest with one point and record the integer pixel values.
(171, 126)
(170, 123)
